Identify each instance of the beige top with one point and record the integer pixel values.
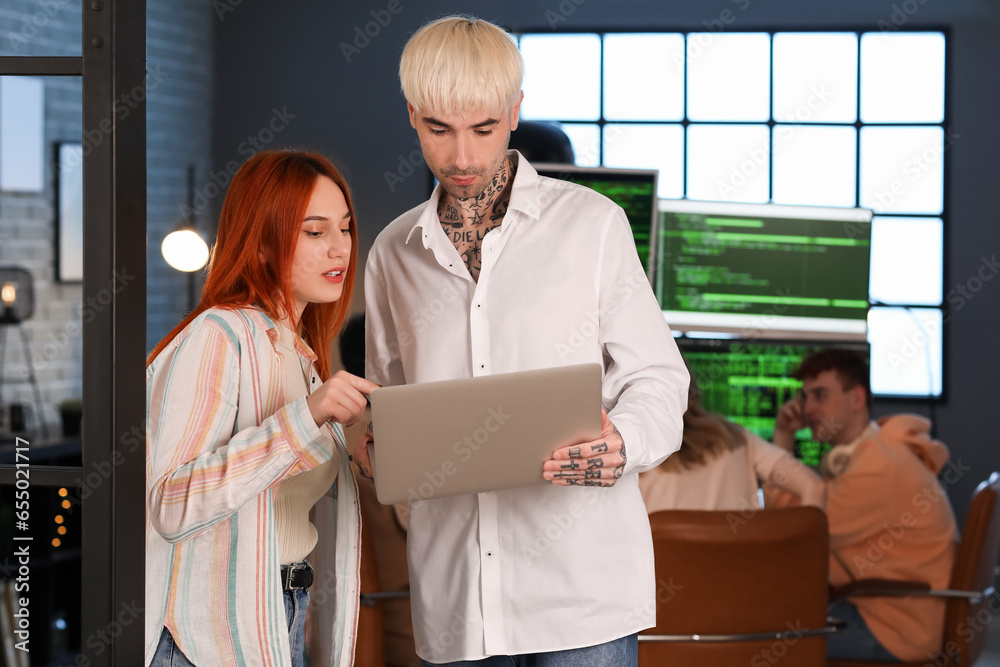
(297, 494)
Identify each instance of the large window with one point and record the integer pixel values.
(811, 118)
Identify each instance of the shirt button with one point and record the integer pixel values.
(479, 305)
(314, 380)
(482, 366)
(489, 554)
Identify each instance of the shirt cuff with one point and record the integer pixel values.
(630, 438)
(311, 444)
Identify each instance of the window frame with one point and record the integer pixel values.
(771, 123)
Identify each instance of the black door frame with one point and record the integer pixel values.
(113, 68)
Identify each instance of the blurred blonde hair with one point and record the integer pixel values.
(707, 435)
(461, 64)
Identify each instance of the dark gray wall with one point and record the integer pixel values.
(292, 59)
(178, 133)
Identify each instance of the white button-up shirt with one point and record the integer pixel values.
(547, 567)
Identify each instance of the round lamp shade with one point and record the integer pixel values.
(184, 250)
(17, 293)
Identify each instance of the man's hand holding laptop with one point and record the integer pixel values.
(596, 463)
(362, 455)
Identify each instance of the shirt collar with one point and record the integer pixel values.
(523, 198)
(270, 327)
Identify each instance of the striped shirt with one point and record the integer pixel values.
(219, 441)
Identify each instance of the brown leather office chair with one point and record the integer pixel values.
(385, 603)
(385, 632)
(368, 648)
(739, 589)
(970, 590)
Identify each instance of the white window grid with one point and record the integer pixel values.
(906, 321)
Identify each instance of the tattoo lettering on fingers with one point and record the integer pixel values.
(592, 482)
(595, 463)
(572, 465)
(600, 449)
(574, 453)
(592, 474)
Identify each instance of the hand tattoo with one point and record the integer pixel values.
(620, 470)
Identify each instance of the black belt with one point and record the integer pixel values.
(297, 576)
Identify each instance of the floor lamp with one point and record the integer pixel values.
(17, 294)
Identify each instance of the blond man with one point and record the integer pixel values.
(502, 270)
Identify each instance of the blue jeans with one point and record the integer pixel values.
(296, 602)
(622, 652)
(856, 641)
(167, 654)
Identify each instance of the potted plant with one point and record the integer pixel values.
(71, 412)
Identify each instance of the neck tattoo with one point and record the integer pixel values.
(467, 221)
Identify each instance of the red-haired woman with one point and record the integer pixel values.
(245, 431)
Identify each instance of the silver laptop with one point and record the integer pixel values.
(480, 434)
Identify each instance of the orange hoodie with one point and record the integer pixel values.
(891, 519)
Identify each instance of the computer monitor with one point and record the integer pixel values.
(763, 270)
(632, 189)
(748, 381)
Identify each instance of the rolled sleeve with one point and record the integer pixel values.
(311, 444)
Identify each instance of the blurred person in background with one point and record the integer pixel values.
(720, 465)
(889, 516)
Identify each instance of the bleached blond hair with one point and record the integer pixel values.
(461, 64)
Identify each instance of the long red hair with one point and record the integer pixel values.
(251, 260)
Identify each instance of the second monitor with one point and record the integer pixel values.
(763, 270)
